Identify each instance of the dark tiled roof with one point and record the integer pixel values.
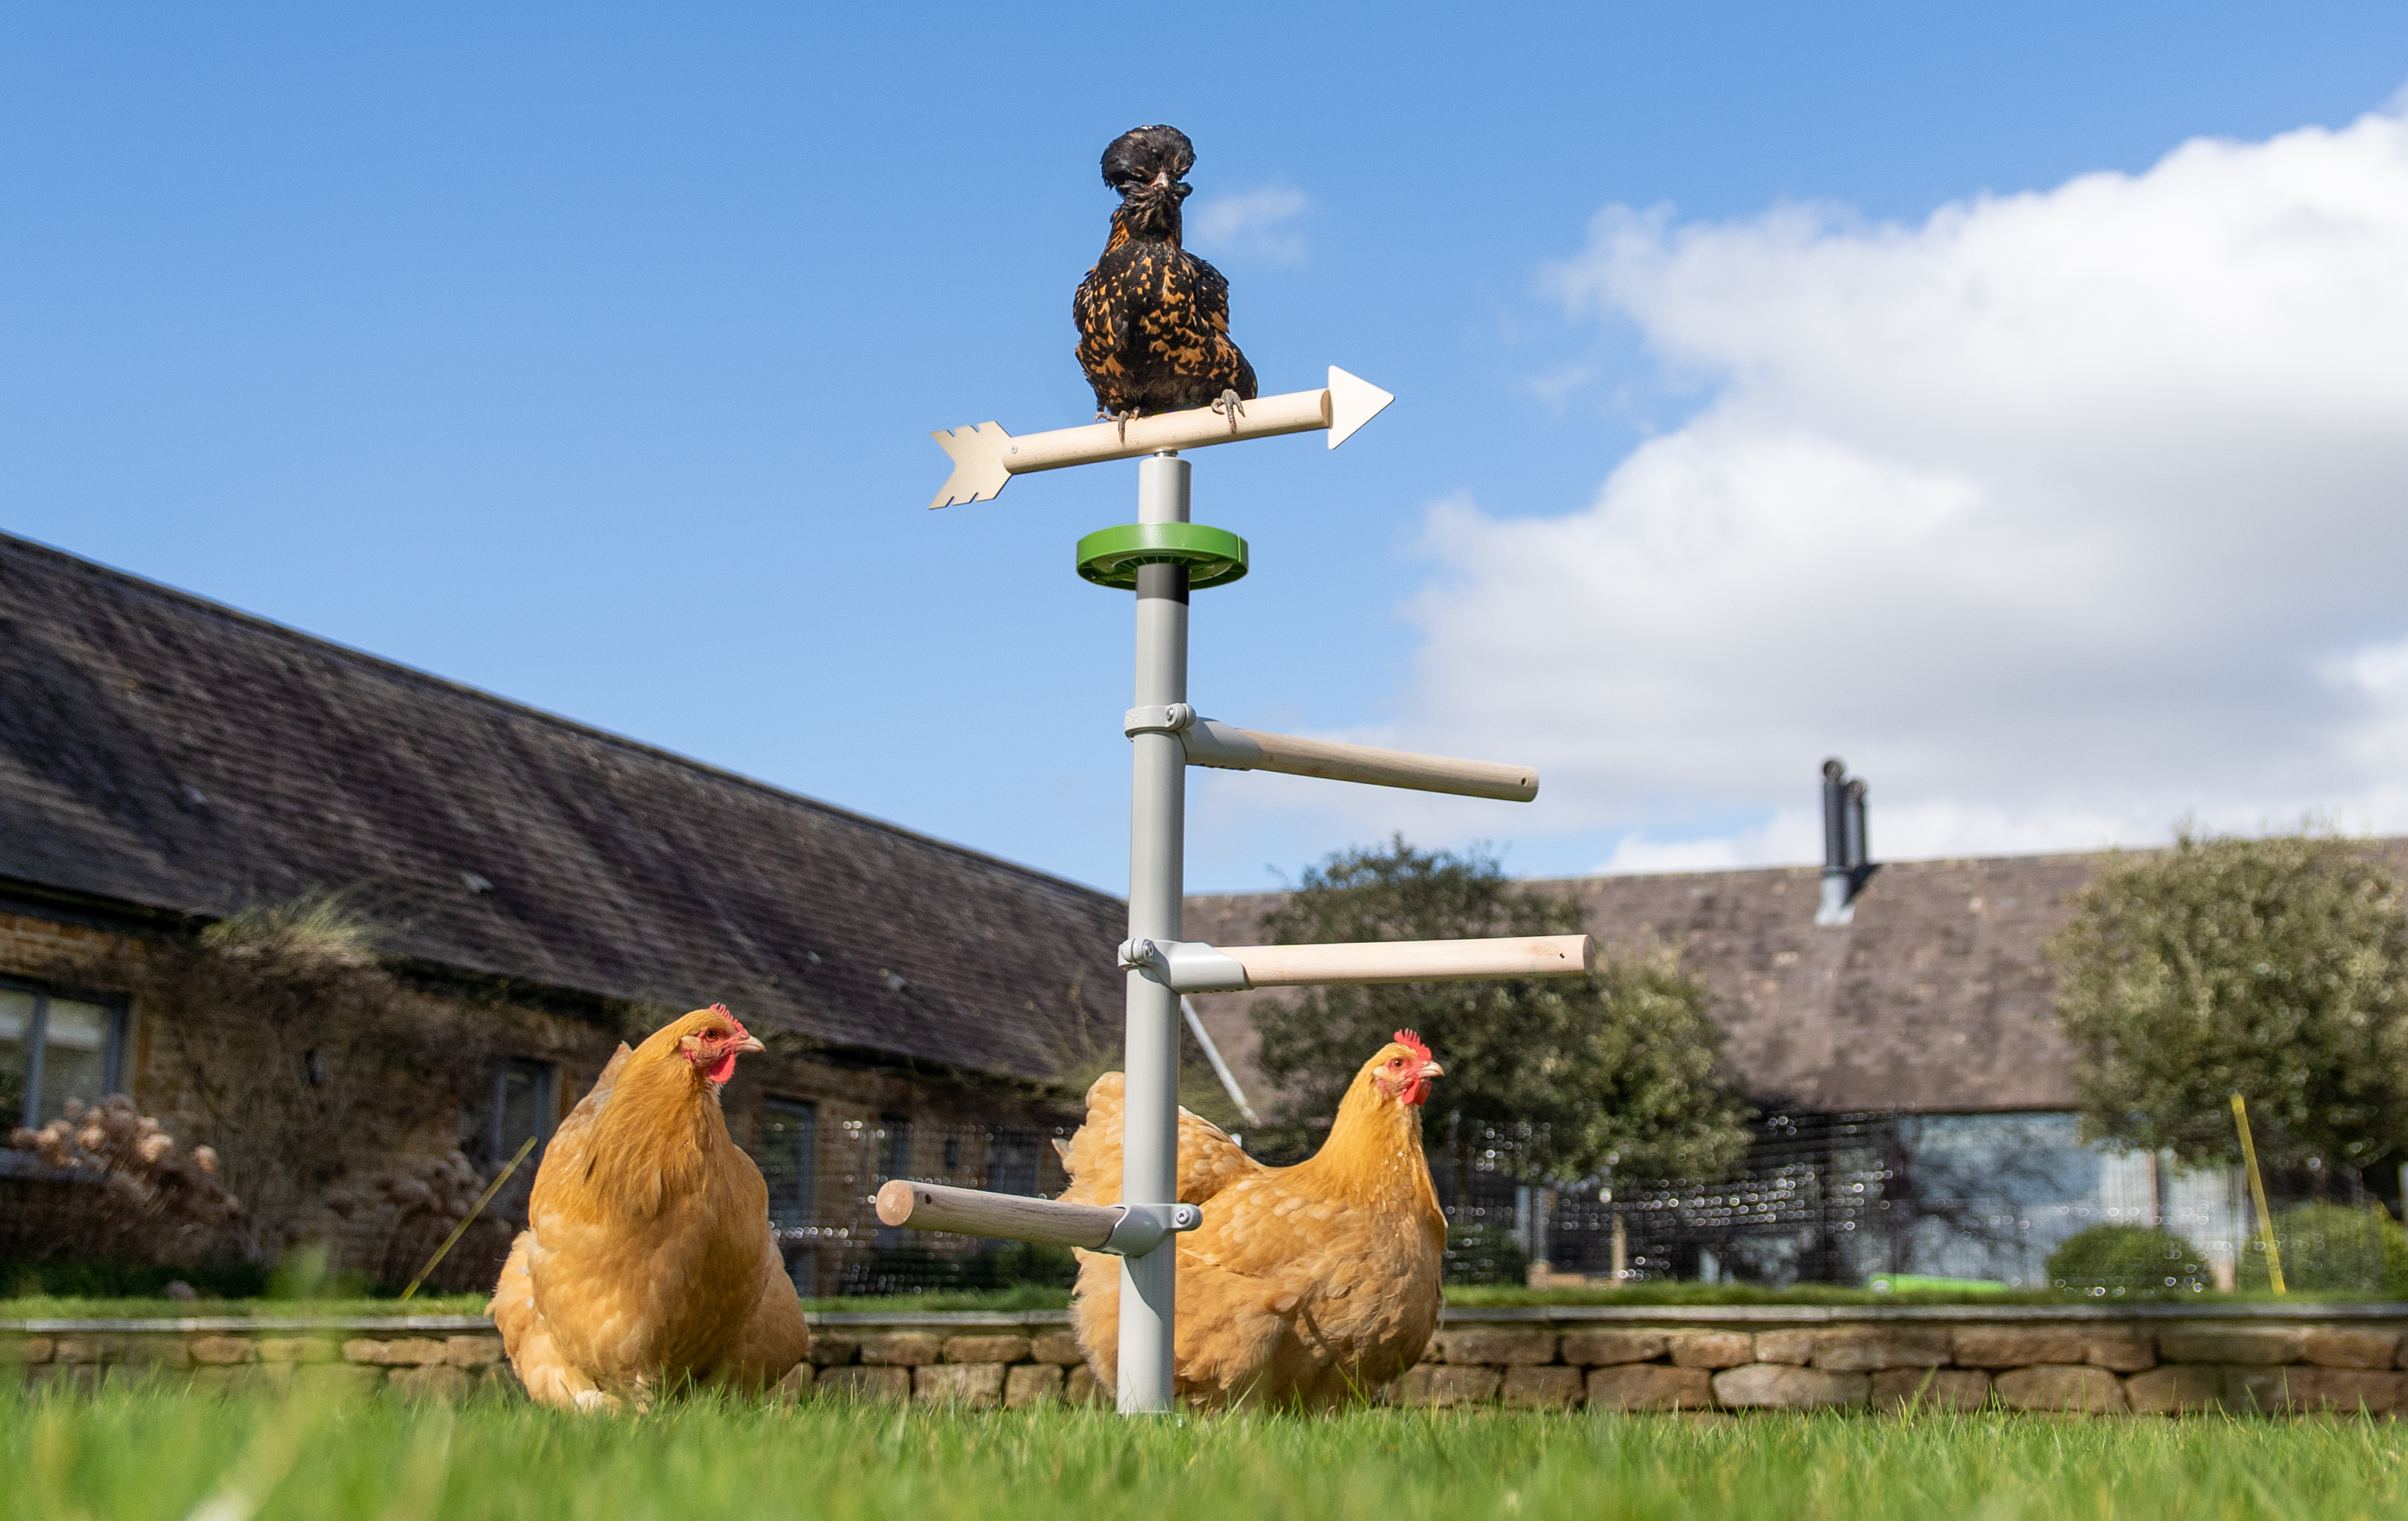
(156, 749)
(1935, 1000)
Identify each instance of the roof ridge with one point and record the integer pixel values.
(394, 669)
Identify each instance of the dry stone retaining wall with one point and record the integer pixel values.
(2173, 1359)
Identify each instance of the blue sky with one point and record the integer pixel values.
(588, 355)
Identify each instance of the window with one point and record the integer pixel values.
(789, 1155)
(513, 1103)
(790, 1161)
(55, 1048)
(1012, 1162)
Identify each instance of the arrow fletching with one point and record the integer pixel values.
(978, 462)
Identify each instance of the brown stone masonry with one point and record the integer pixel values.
(2143, 1360)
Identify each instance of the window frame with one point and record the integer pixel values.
(112, 1060)
(492, 1108)
(807, 1131)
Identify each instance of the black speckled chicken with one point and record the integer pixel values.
(1152, 318)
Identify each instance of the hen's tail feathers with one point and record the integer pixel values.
(1093, 1158)
(549, 1378)
(1209, 1160)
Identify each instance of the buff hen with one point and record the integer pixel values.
(1152, 318)
(647, 1260)
(1305, 1286)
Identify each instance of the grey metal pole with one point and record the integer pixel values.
(1157, 848)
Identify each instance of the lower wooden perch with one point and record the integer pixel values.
(1012, 1217)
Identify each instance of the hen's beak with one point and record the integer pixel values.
(1161, 179)
(1431, 1068)
(750, 1042)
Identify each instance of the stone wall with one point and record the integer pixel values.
(427, 1356)
(2151, 1359)
(2156, 1360)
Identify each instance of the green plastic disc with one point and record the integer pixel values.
(1213, 557)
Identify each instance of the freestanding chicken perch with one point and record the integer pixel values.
(1152, 318)
(647, 1259)
(1305, 1285)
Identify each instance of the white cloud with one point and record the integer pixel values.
(2061, 516)
(1252, 224)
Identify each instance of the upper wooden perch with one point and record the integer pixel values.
(1224, 746)
(1195, 967)
(985, 457)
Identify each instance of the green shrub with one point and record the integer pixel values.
(2128, 1262)
(1485, 1255)
(2332, 1247)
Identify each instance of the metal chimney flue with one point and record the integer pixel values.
(1847, 860)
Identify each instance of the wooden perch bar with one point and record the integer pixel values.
(1193, 967)
(1012, 1217)
(1413, 961)
(1211, 743)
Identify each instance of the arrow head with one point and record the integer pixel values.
(1353, 402)
(978, 462)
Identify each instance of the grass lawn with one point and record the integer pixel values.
(160, 1455)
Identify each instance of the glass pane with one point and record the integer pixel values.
(15, 1022)
(789, 1158)
(75, 1056)
(1012, 1162)
(521, 1106)
(526, 1106)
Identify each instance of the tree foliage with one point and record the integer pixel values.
(2276, 969)
(2330, 1248)
(1618, 1070)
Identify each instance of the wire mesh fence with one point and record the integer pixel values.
(1856, 1199)
(1828, 1198)
(823, 1175)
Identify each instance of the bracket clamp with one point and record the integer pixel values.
(1184, 966)
(1144, 1226)
(1177, 718)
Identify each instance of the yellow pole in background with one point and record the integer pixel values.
(495, 1187)
(2258, 1195)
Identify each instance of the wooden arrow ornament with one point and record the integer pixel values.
(985, 457)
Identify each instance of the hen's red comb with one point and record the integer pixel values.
(729, 1014)
(1414, 1043)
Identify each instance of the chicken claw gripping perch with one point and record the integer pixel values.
(1305, 1286)
(647, 1261)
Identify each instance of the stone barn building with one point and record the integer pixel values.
(534, 890)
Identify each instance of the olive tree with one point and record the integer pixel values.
(1615, 1070)
(2275, 969)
